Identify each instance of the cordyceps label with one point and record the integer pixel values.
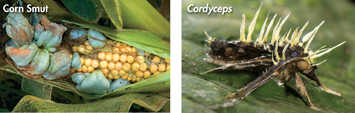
(29, 8)
(209, 9)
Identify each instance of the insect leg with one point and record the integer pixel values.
(303, 90)
(240, 65)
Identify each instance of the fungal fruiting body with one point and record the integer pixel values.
(284, 57)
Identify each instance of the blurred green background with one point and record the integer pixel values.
(201, 92)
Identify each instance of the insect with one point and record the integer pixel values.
(284, 58)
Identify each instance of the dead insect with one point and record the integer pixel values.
(284, 57)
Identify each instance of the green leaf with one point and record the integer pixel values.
(37, 89)
(112, 8)
(152, 102)
(84, 9)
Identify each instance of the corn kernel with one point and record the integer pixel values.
(81, 48)
(118, 44)
(71, 56)
(90, 69)
(156, 72)
(146, 54)
(146, 74)
(153, 68)
(89, 48)
(75, 49)
(108, 56)
(124, 44)
(134, 79)
(167, 60)
(139, 74)
(82, 60)
(135, 66)
(161, 67)
(134, 50)
(118, 66)
(130, 59)
(87, 43)
(156, 59)
(101, 56)
(72, 70)
(114, 72)
(128, 49)
(139, 79)
(124, 77)
(122, 73)
(109, 76)
(116, 49)
(103, 64)
(87, 62)
(111, 66)
(84, 68)
(115, 57)
(140, 59)
(79, 69)
(104, 71)
(116, 77)
(126, 67)
(95, 63)
(129, 78)
(168, 67)
(143, 67)
(123, 58)
(123, 49)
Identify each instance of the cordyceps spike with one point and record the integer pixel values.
(284, 51)
(268, 28)
(286, 38)
(327, 51)
(242, 29)
(293, 37)
(310, 40)
(273, 38)
(210, 39)
(300, 33)
(321, 62)
(276, 51)
(279, 28)
(308, 35)
(252, 24)
(282, 39)
(260, 39)
(272, 58)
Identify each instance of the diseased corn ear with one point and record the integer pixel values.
(19, 29)
(94, 83)
(40, 62)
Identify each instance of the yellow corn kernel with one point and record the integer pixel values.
(140, 59)
(168, 67)
(75, 49)
(71, 56)
(95, 63)
(124, 44)
(129, 78)
(118, 44)
(123, 58)
(87, 43)
(134, 79)
(103, 64)
(115, 57)
(114, 72)
(82, 60)
(109, 76)
(134, 50)
(128, 49)
(72, 70)
(135, 66)
(116, 77)
(153, 68)
(143, 67)
(84, 68)
(156, 72)
(126, 67)
(89, 48)
(108, 56)
(124, 77)
(101, 56)
(139, 79)
(79, 69)
(81, 49)
(146, 54)
(88, 62)
(104, 71)
(122, 73)
(156, 59)
(90, 69)
(167, 60)
(139, 74)
(111, 66)
(118, 66)
(130, 59)
(146, 74)
(116, 49)
(123, 49)
(161, 67)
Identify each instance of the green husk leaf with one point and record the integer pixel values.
(84, 9)
(117, 104)
(113, 10)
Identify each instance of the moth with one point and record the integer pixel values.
(284, 57)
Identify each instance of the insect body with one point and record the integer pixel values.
(284, 58)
